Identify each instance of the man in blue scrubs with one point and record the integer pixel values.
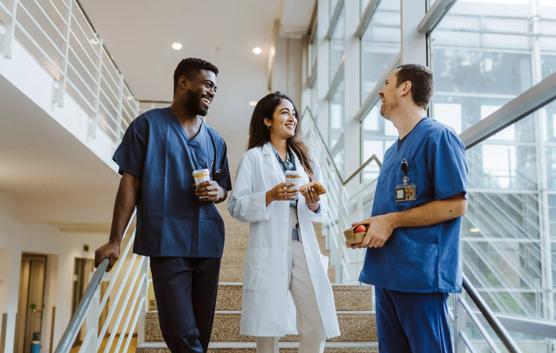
(413, 255)
(178, 225)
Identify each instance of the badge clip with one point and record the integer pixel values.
(406, 191)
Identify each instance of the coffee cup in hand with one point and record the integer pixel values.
(294, 177)
(201, 176)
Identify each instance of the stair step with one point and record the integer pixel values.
(249, 347)
(236, 257)
(346, 297)
(234, 273)
(354, 327)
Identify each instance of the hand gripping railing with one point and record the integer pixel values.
(120, 306)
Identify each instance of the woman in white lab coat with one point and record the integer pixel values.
(285, 279)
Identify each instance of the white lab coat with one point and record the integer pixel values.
(267, 305)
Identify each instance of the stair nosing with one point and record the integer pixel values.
(159, 345)
(339, 312)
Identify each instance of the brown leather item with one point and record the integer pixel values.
(318, 187)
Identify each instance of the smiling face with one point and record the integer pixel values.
(389, 95)
(199, 91)
(284, 120)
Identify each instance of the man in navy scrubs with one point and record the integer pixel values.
(413, 255)
(178, 225)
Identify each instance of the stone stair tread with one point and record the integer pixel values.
(162, 345)
(355, 326)
(348, 297)
(285, 347)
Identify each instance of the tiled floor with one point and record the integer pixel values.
(131, 349)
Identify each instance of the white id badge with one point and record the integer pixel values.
(406, 192)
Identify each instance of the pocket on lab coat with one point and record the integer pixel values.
(257, 270)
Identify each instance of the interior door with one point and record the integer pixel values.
(31, 301)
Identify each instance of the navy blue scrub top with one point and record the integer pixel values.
(171, 221)
(420, 259)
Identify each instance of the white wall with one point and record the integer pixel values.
(16, 238)
(286, 74)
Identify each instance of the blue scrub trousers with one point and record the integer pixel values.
(185, 291)
(412, 322)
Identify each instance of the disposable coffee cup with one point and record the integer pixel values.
(293, 176)
(201, 175)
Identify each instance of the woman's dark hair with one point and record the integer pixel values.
(259, 133)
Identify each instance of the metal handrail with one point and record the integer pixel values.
(494, 323)
(72, 330)
(372, 158)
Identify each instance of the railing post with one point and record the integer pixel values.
(120, 119)
(91, 324)
(61, 88)
(93, 123)
(459, 322)
(9, 36)
(137, 107)
(145, 310)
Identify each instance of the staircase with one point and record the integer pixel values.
(353, 304)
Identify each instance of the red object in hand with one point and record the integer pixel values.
(360, 229)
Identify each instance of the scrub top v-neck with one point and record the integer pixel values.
(171, 221)
(420, 259)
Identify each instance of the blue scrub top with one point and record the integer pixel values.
(171, 221)
(420, 259)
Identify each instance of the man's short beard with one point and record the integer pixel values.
(192, 104)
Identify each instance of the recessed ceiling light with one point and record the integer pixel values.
(474, 230)
(177, 46)
(252, 103)
(257, 50)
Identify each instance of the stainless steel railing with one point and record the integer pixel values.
(60, 36)
(110, 316)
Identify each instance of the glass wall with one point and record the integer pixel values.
(483, 55)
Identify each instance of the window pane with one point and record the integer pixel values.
(482, 52)
(448, 114)
(336, 126)
(380, 44)
(333, 4)
(550, 113)
(552, 221)
(312, 52)
(337, 46)
(505, 164)
(373, 141)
